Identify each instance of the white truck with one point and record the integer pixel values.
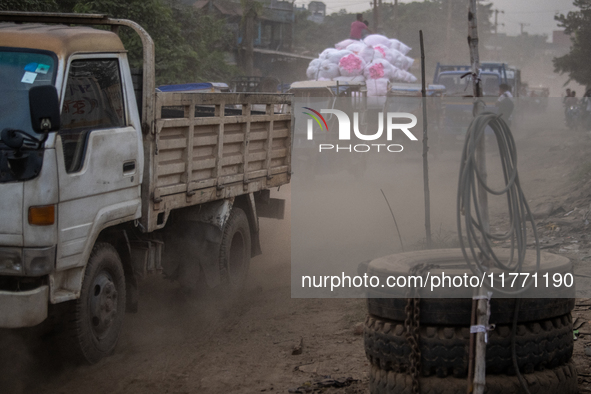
(103, 182)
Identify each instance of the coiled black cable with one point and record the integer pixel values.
(479, 240)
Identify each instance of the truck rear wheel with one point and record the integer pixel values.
(235, 250)
(95, 319)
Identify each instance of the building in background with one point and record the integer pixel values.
(317, 11)
(272, 37)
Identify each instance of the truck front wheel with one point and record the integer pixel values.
(95, 319)
(235, 250)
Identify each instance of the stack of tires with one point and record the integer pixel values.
(543, 339)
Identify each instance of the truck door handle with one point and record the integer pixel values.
(128, 166)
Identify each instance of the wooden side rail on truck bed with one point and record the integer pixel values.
(198, 159)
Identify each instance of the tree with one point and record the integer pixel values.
(28, 5)
(189, 45)
(578, 25)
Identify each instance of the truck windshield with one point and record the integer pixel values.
(457, 86)
(19, 71)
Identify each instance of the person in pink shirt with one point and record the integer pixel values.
(358, 27)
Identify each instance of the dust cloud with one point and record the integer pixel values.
(216, 344)
(340, 217)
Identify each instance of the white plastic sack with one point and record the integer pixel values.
(398, 75)
(327, 52)
(376, 39)
(381, 51)
(403, 62)
(328, 70)
(399, 46)
(362, 50)
(344, 44)
(336, 56)
(393, 56)
(407, 77)
(313, 69)
(379, 68)
(377, 87)
(351, 65)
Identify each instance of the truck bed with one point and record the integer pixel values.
(209, 146)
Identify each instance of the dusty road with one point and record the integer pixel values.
(179, 345)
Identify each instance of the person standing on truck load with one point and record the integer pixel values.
(505, 102)
(358, 27)
(566, 97)
(366, 32)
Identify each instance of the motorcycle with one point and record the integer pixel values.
(572, 116)
(585, 113)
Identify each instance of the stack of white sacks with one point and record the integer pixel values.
(376, 60)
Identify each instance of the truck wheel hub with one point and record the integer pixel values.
(103, 304)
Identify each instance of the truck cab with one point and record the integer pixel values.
(90, 171)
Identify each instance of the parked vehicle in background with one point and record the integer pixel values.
(508, 74)
(118, 186)
(457, 101)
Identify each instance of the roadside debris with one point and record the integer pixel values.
(297, 349)
(358, 329)
(324, 382)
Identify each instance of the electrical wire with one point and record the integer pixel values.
(478, 238)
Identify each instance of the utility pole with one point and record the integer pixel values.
(448, 56)
(497, 32)
(479, 382)
(380, 9)
(375, 15)
(395, 18)
(248, 42)
(522, 25)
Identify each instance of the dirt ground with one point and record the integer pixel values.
(178, 344)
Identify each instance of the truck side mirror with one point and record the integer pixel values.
(45, 108)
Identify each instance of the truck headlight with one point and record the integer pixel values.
(11, 261)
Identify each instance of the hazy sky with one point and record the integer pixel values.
(539, 14)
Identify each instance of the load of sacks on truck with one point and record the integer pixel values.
(375, 60)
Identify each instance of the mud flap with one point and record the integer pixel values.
(192, 244)
(191, 254)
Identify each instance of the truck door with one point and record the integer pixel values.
(97, 153)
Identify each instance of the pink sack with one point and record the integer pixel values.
(378, 68)
(351, 65)
(376, 71)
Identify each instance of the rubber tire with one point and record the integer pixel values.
(561, 380)
(391, 304)
(452, 263)
(79, 343)
(458, 311)
(236, 226)
(444, 350)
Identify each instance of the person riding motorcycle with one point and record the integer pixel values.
(571, 110)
